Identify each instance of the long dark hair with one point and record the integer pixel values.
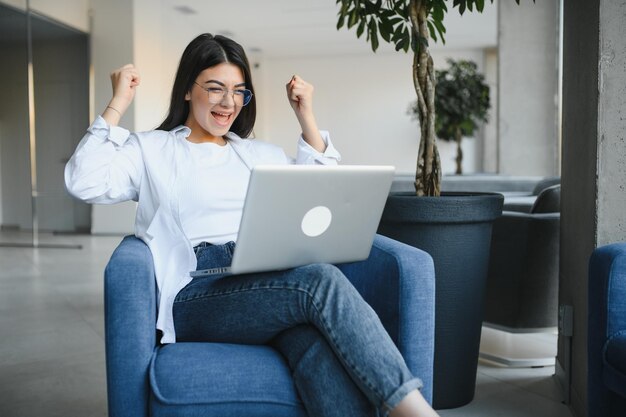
(204, 52)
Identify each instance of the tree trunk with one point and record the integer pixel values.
(428, 171)
(459, 151)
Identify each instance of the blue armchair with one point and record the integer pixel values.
(606, 377)
(204, 379)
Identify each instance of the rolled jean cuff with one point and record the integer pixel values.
(399, 394)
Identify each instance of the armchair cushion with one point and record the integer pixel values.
(221, 379)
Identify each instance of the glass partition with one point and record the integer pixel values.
(44, 85)
(61, 87)
(15, 187)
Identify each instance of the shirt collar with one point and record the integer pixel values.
(181, 129)
(184, 130)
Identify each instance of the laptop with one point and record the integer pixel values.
(296, 215)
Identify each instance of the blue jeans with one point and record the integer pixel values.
(343, 361)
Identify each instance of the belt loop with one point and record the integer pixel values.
(200, 246)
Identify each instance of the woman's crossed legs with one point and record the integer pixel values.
(334, 342)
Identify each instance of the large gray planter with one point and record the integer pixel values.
(455, 229)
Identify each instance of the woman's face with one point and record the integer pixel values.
(210, 121)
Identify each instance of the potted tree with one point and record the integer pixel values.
(454, 230)
(461, 104)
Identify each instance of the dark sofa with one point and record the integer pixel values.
(523, 278)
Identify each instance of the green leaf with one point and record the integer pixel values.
(406, 39)
(344, 8)
(437, 13)
(431, 29)
(397, 34)
(359, 30)
(340, 23)
(369, 8)
(441, 29)
(354, 17)
(480, 5)
(374, 34)
(395, 20)
(387, 13)
(385, 29)
(402, 9)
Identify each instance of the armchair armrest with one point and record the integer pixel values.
(606, 317)
(398, 281)
(130, 337)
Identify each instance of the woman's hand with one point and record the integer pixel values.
(124, 82)
(300, 96)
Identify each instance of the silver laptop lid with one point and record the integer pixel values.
(296, 215)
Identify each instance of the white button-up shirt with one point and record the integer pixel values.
(111, 165)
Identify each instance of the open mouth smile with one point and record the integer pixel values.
(222, 119)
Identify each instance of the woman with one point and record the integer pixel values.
(190, 178)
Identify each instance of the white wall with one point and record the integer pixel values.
(528, 79)
(363, 101)
(151, 50)
(74, 13)
(112, 47)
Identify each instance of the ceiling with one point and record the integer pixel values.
(297, 27)
(308, 27)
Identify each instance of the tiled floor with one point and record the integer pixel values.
(52, 349)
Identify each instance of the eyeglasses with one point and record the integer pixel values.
(241, 97)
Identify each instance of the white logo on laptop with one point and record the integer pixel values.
(316, 221)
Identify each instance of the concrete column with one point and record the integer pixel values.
(594, 165)
(528, 88)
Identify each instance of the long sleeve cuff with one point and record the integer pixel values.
(307, 155)
(103, 130)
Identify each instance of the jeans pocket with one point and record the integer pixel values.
(214, 256)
